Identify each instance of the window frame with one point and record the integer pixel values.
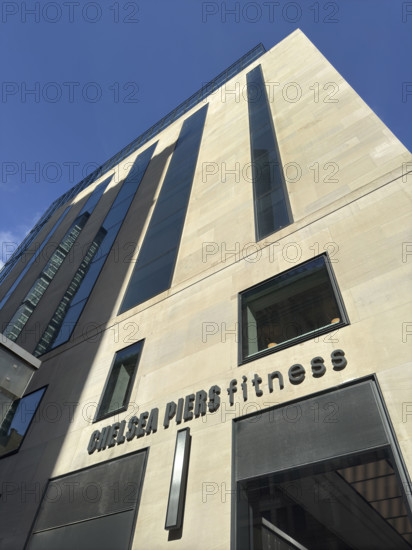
(98, 416)
(344, 319)
(31, 419)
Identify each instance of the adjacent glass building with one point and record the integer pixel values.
(221, 314)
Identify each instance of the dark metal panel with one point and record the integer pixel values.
(341, 422)
(106, 533)
(104, 489)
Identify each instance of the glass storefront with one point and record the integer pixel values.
(328, 476)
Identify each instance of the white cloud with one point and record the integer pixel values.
(9, 241)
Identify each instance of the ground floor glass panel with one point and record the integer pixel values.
(353, 503)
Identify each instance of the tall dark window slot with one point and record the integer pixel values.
(116, 394)
(293, 306)
(272, 208)
(156, 262)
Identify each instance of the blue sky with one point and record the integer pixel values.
(103, 72)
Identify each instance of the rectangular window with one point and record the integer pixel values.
(272, 208)
(291, 307)
(119, 384)
(17, 421)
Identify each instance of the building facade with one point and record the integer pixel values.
(223, 321)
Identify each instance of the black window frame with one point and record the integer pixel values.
(344, 319)
(18, 401)
(126, 399)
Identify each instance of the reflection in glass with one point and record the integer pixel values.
(67, 314)
(32, 298)
(299, 302)
(272, 208)
(119, 385)
(350, 503)
(34, 257)
(17, 421)
(166, 225)
(53, 328)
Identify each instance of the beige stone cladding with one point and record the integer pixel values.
(350, 197)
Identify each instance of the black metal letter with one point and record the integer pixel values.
(200, 403)
(231, 390)
(187, 414)
(318, 367)
(339, 361)
(256, 381)
(152, 422)
(271, 376)
(296, 374)
(169, 413)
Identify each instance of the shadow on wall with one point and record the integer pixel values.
(24, 476)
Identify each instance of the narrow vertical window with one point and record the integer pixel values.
(119, 384)
(61, 325)
(272, 208)
(156, 262)
(88, 207)
(32, 298)
(49, 335)
(17, 421)
(34, 257)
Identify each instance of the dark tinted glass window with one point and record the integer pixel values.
(153, 274)
(357, 503)
(32, 298)
(292, 306)
(71, 306)
(34, 257)
(17, 421)
(95, 196)
(272, 209)
(70, 296)
(119, 383)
